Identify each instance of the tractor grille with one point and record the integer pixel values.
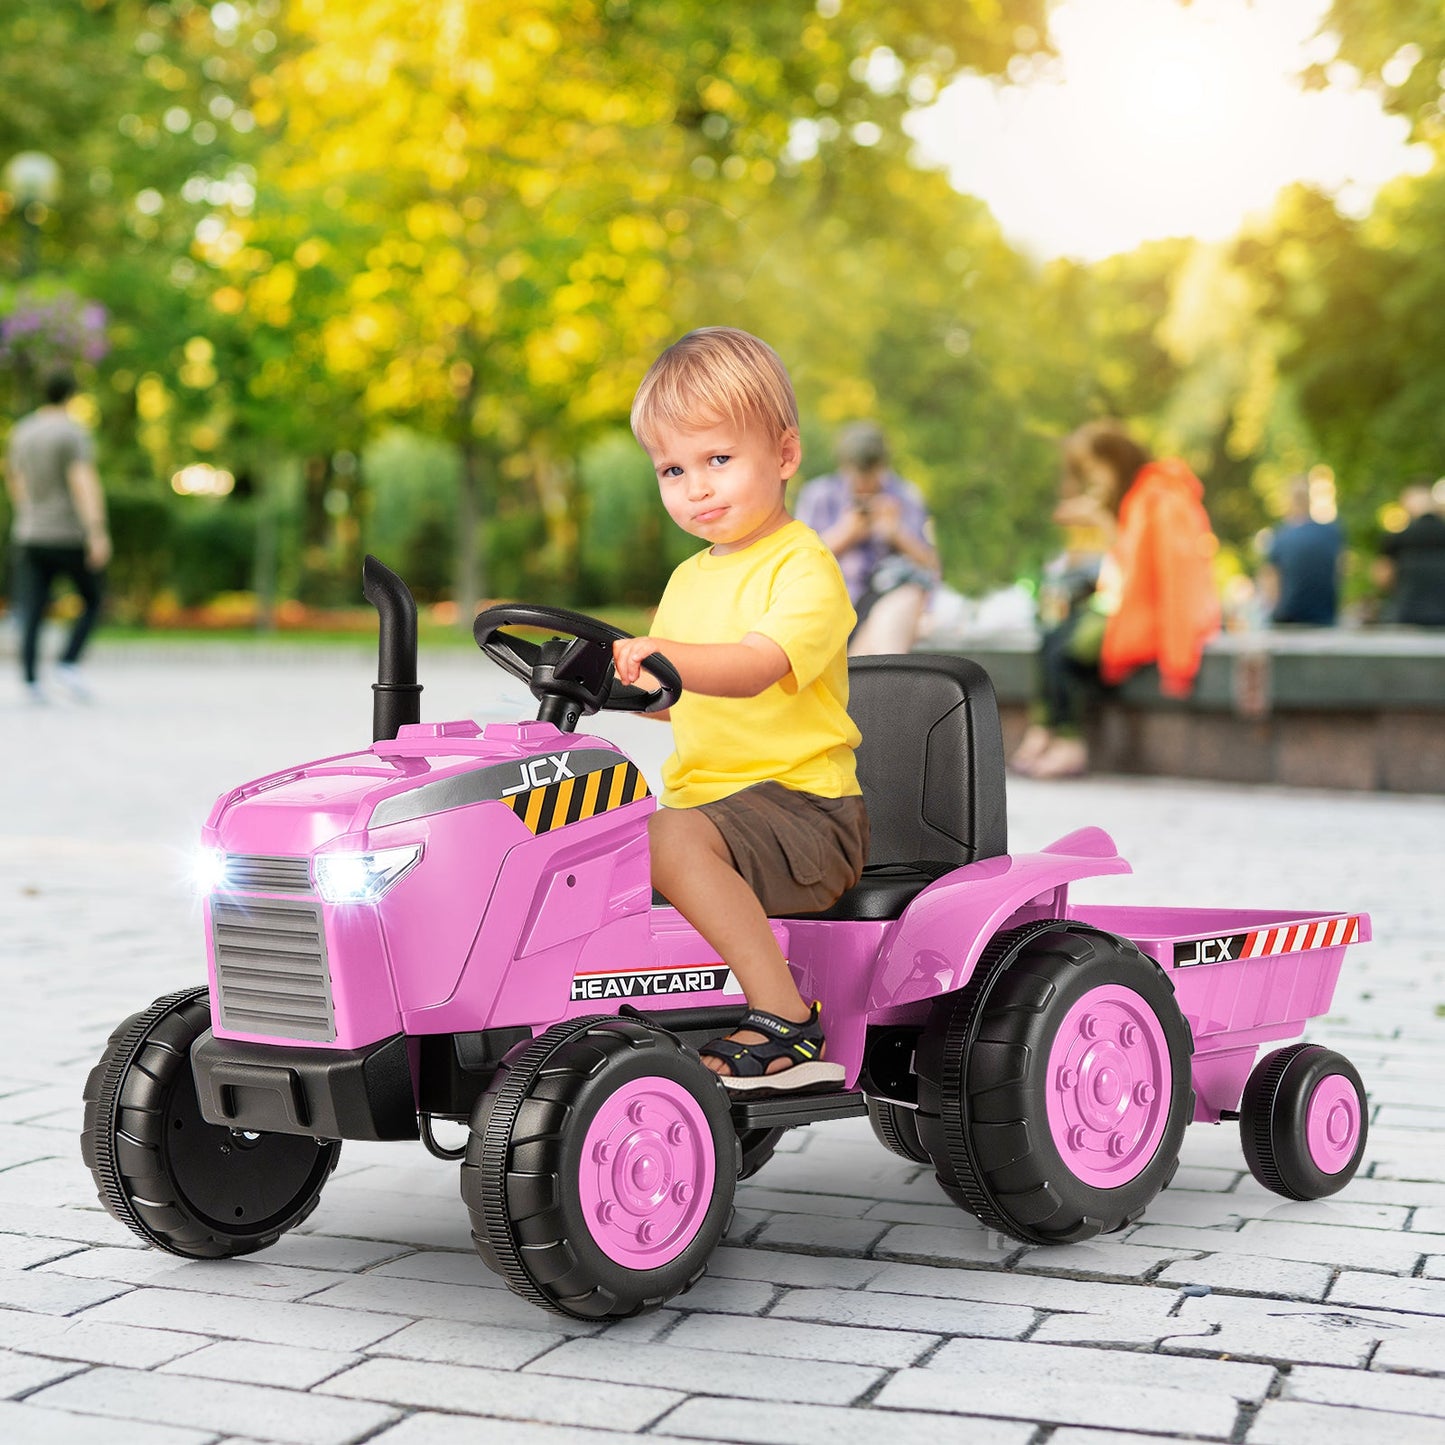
(256, 873)
(271, 969)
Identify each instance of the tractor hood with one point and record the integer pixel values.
(428, 768)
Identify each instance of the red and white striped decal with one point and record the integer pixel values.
(1266, 942)
(1296, 937)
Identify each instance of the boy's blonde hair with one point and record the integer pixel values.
(715, 374)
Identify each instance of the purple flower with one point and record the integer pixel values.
(50, 326)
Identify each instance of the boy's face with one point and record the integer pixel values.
(725, 483)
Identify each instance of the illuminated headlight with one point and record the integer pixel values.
(361, 877)
(209, 872)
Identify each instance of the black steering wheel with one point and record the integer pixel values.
(572, 679)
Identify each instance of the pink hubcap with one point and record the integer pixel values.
(1109, 1086)
(647, 1172)
(1332, 1123)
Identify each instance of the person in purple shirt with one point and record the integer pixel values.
(878, 527)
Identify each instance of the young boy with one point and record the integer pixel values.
(762, 812)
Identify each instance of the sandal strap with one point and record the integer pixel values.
(746, 1061)
(777, 1028)
(800, 1043)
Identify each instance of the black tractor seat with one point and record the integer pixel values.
(883, 892)
(931, 769)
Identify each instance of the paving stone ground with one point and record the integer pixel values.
(851, 1302)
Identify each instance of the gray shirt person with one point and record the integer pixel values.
(59, 531)
(43, 448)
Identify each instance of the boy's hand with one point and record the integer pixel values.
(627, 656)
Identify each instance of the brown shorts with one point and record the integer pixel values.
(797, 851)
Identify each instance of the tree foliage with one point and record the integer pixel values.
(399, 268)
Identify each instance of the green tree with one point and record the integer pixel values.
(490, 221)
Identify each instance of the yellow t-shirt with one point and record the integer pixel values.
(797, 732)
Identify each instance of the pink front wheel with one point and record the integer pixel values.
(600, 1169)
(1303, 1121)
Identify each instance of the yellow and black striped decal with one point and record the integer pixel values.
(572, 799)
(545, 790)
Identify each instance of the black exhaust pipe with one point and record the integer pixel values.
(398, 693)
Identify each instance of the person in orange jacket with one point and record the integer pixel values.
(1155, 601)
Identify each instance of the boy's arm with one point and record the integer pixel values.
(714, 669)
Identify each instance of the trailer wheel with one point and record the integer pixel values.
(600, 1169)
(182, 1184)
(1054, 1089)
(1303, 1121)
(896, 1129)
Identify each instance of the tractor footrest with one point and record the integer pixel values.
(782, 1111)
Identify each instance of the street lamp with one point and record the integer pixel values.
(33, 178)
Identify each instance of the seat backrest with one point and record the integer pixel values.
(931, 761)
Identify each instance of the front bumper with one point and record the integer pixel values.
(362, 1093)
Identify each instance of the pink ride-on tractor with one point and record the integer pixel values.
(457, 922)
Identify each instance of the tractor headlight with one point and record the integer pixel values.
(361, 877)
(209, 871)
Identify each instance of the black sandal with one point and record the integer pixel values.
(802, 1043)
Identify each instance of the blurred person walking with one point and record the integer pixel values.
(1301, 577)
(878, 527)
(1411, 564)
(59, 529)
(1155, 601)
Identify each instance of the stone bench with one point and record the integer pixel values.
(1315, 707)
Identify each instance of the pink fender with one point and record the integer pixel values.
(938, 940)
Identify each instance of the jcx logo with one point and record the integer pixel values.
(1205, 950)
(538, 772)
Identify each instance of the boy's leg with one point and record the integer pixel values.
(693, 869)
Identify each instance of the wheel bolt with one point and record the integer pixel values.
(1089, 1026)
(682, 1191)
(645, 1232)
(636, 1111)
(1144, 1093)
(1129, 1035)
(676, 1133)
(605, 1212)
(1068, 1078)
(1077, 1137)
(602, 1151)
(1117, 1145)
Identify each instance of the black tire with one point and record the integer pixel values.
(1275, 1122)
(983, 1085)
(896, 1129)
(757, 1147)
(192, 1188)
(523, 1180)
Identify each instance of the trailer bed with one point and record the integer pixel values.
(1243, 978)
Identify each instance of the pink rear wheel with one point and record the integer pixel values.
(600, 1169)
(1303, 1121)
(1054, 1090)
(1109, 1086)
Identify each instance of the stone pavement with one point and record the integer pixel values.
(851, 1301)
